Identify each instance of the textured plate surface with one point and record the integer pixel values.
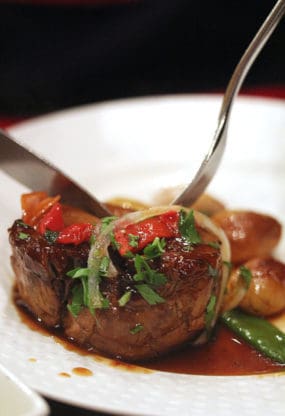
(135, 148)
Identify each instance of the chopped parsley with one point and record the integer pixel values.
(124, 299)
(137, 328)
(214, 244)
(129, 255)
(92, 239)
(104, 266)
(82, 274)
(155, 249)
(246, 274)
(80, 293)
(229, 265)
(133, 240)
(78, 272)
(187, 227)
(106, 221)
(23, 236)
(77, 301)
(213, 272)
(22, 224)
(114, 242)
(145, 273)
(51, 236)
(210, 311)
(149, 294)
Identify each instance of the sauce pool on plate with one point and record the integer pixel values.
(225, 355)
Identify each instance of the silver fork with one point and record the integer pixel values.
(213, 158)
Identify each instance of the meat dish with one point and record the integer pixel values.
(139, 284)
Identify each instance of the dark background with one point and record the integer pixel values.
(54, 57)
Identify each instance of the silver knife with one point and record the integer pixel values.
(38, 174)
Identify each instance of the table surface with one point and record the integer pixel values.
(61, 409)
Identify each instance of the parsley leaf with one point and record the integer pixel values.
(106, 221)
(82, 274)
(210, 311)
(124, 299)
(23, 236)
(229, 265)
(214, 244)
(114, 242)
(78, 272)
(137, 328)
(22, 224)
(149, 294)
(213, 272)
(146, 273)
(51, 236)
(187, 227)
(133, 240)
(155, 249)
(92, 240)
(246, 274)
(77, 301)
(104, 266)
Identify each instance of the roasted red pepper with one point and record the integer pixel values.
(144, 232)
(75, 234)
(52, 220)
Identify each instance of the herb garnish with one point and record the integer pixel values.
(210, 311)
(92, 239)
(23, 236)
(82, 274)
(133, 240)
(229, 265)
(213, 272)
(146, 273)
(155, 249)
(124, 299)
(22, 223)
(136, 329)
(80, 294)
(187, 227)
(149, 294)
(114, 242)
(246, 274)
(214, 244)
(104, 266)
(77, 301)
(51, 236)
(106, 221)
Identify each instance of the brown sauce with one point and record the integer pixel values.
(82, 371)
(64, 374)
(225, 354)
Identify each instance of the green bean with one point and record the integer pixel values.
(258, 332)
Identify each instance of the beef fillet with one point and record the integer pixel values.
(136, 331)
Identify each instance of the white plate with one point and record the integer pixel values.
(135, 148)
(17, 399)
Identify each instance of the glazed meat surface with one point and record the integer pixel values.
(193, 276)
(40, 269)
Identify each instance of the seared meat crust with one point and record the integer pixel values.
(40, 269)
(43, 286)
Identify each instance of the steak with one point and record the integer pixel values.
(40, 269)
(138, 330)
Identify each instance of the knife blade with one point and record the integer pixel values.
(38, 174)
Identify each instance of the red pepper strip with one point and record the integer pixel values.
(163, 225)
(52, 220)
(75, 234)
